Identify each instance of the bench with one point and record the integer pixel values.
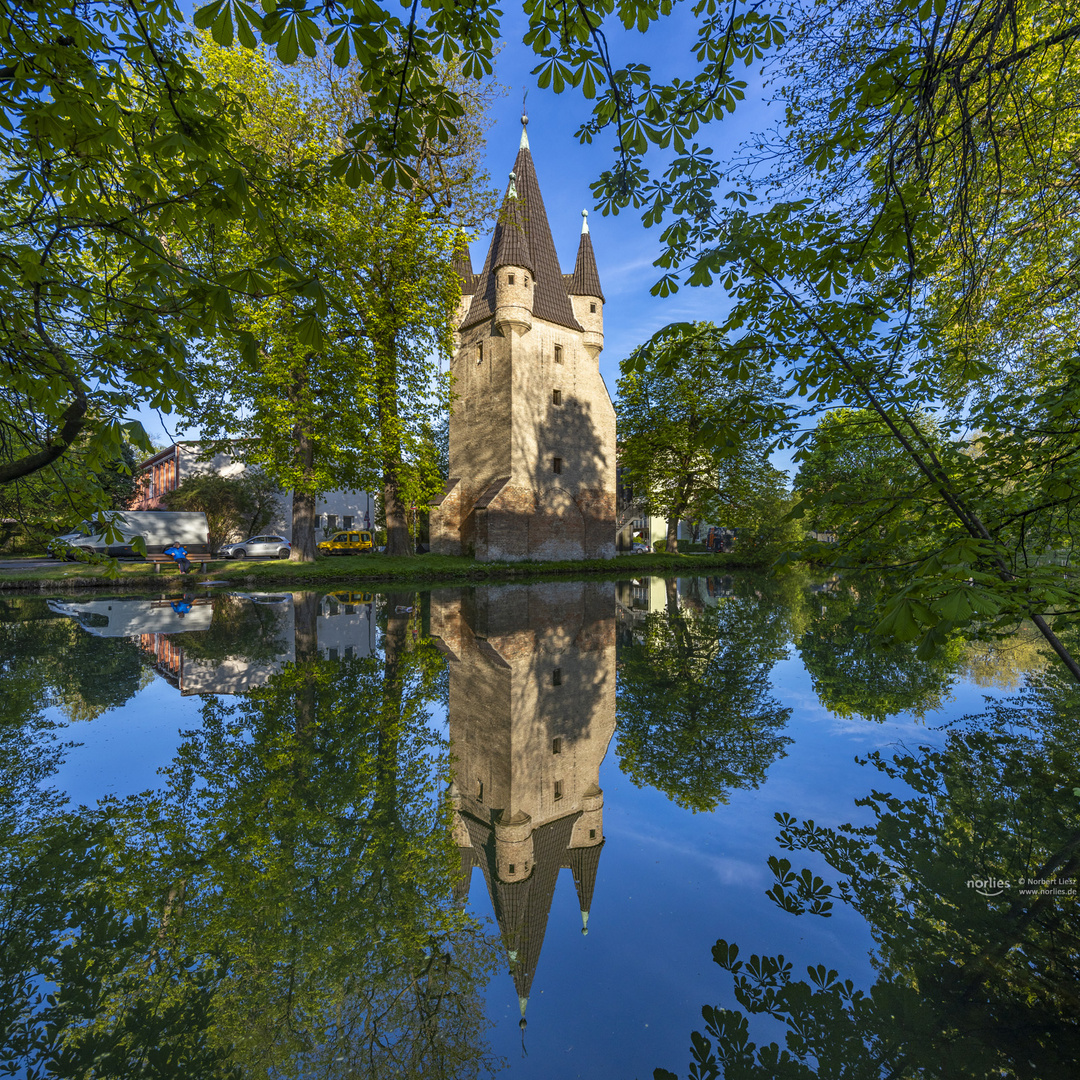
(167, 560)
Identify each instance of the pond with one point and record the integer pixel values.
(532, 831)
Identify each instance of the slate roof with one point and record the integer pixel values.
(583, 864)
(462, 264)
(586, 279)
(510, 244)
(550, 300)
(522, 907)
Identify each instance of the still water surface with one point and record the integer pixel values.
(499, 831)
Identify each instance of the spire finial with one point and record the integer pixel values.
(584, 924)
(524, 144)
(512, 193)
(584, 222)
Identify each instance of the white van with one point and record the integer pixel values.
(158, 528)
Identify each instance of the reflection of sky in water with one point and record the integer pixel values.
(624, 999)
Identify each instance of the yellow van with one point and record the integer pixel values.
(346, 543)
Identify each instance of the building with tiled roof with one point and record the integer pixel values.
(531, 714)
(532, 432)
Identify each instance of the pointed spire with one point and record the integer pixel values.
(583, 865)
(550, 300)
(462, 263)
(510, 245)
(586, 279)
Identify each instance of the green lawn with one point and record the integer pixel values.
(365, 568)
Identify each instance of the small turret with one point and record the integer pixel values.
(462, 264)
(586, 294)
(512, 263)
(513, 847)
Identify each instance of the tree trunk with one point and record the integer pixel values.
(306, 652)
(672, 534)
(303, 505)
(398, 540)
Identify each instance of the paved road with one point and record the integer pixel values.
(29, 564)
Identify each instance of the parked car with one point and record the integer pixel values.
(113, 533)
(346, 543)
(269, 547)
(639, 548)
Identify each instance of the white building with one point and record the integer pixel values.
(168, 468)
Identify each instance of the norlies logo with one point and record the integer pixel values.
(988, 886)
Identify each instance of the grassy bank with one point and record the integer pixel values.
(368, 569)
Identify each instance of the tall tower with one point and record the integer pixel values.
(532, 432)
(532, 711)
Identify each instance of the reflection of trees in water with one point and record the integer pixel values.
(242, 628)
(695, 713)
(856, 672)
(284, 907)
(49, 660)
(975, 977)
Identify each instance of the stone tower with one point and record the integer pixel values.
(532, 711)
(532, 433)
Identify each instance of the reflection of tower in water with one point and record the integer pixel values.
(532, 710)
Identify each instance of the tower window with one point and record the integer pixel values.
(592, 309)
(556, 679)
(512, 868)
(556, 397)
(556, 464)
(558, 789)
(556, 746)
(558, 354)
(479, 791)
(592, 834)
(526, 279)
(509, 279)
(480, 353)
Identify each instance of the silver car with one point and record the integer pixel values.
(271, 547)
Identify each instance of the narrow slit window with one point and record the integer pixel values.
(592, 834)
(592, 309)
(526, 279)
(556, 746)
(556, 677)
(509, 279)
(558, 354)
(558, 789)
(512, 868)
(556, 397)
(480, 353)
(556, 464)
(479, 791)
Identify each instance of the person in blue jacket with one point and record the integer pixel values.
(178, 553)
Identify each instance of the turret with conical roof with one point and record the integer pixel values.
(512, 266)
(462, 264)
(586, 294)
(532, 432)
